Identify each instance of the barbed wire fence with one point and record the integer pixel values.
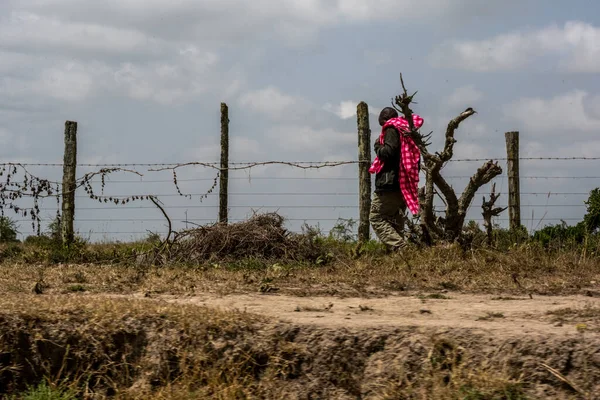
(316, 200)
(128, 201)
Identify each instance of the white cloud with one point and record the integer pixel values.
(170, 82)
(358, 10)
(208, 153)
(67, 81)
(299, 138)
(284, 19)
(163, 82)
(565, 116)
(23, 30)
(505, 52)
(464, 97)
(345, 110)
(270, 101)
(574, 45)
(241, 149)
(165, 52)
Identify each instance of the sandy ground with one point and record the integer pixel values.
(502, 316)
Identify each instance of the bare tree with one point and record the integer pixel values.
(450, 226)
(489, 211)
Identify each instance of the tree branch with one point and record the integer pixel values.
(448, 152)
(447, 191)
(403, 102)
(426, 199)
(484, 175)
(153, 199)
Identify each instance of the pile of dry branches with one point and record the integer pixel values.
(262, 236)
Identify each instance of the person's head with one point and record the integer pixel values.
(387, 114)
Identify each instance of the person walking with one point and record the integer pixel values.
(396, 170)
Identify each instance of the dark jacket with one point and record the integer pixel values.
(389, 153)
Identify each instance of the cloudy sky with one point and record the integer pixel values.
(144, 80)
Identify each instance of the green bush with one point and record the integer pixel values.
(561, 235)
(505, 239)
(591, 219)
(584, 233)
(41, 240)
(343, 230)
(11, 251)
(8, 230)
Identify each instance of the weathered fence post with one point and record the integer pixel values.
(514, 193)
(69, 182)
(364, 177)
(224, 174)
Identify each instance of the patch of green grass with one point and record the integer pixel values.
(76, 288)
(36, 249)
(248, 264)
(45, 392)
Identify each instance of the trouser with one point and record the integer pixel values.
(387, 218)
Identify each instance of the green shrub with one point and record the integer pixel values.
(343, 230)
(591, 219)
(561, 234)
(8, 230)
(11, 251)
(45, 392)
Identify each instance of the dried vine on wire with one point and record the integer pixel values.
(189, 196)
(17, 183)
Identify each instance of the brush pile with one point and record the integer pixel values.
(262, 236)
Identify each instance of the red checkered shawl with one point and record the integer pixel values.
(409, 161)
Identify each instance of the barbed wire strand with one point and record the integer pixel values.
(300, 164)
(310, 178)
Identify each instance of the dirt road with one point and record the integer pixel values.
(504, 316)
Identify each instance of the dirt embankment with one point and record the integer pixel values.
(439, 346)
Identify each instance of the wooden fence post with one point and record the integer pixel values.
(514, 193)
(364, 177)
(69, 183)
(224, 174)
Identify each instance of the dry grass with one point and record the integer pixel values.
(587, 317)
(153, 350)
(148, 349)
(574, 314)
(491, 315)
(326, 308)
(106, 345)
(520, 272)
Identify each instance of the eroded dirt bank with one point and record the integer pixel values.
(439, 346)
